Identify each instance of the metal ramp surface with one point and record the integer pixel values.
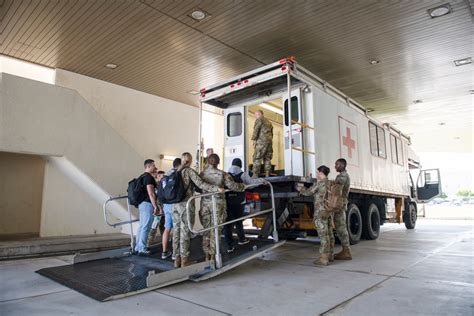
(111, 274)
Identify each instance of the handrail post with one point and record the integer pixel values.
(216, 233)
(132, 239)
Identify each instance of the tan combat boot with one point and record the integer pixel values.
(331, 257)
(345, 254)
(323, 260)
(177, 262)
(185, 262)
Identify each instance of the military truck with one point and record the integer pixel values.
(315, 124)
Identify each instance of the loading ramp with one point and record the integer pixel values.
(114, 274)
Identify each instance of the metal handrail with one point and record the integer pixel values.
(214, 216)
(130, 220)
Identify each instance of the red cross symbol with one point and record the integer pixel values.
(348, 141)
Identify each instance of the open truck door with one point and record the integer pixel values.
(428, 185)
(234, 140)
(294, 164)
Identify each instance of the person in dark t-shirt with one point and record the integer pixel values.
(147, 209)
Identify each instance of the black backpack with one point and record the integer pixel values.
(171, 189)
(136, 191)
(235, 198)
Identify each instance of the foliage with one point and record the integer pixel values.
(465, 193)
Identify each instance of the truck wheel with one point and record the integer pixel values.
(354, 224)
(371, 222)
(410, 216)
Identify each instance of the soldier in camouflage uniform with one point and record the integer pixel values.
(182, 235)
(219, 178)
(263, 144)
(340, 216)
(322, 218)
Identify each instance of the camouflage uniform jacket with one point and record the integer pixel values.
(190, 177)
(262, 131)
(220, 179)
(343, 179)
(319, 191)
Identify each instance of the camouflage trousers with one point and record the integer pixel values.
(181, 232)
(341, 226)
(205, 216)
(263, 153)
(323, 225)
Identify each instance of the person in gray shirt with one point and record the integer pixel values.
(235, 205)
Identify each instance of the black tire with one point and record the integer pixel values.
(409, 216)
(371, 222)
(354, 224)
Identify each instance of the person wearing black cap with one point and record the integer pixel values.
(235, 206)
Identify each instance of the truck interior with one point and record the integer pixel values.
(273, 111)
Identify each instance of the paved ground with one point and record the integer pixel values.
(429, 270)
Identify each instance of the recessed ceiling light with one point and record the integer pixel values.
(199, 15)
(463, 61)
(369, 110)
(374, 61)
(417, 101)
(111, 66)
(193, 92)
(442, 123)
(440, 10)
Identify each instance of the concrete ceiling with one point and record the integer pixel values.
(161, 50)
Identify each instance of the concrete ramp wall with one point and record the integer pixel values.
(56, 122)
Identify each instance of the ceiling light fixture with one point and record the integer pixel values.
(271, 108)
(442, 123)
(111, 66)
(369, 110)
(199, 15)
(193, 92)
(168, 157)
(463, 61)
(374, 61)
(440, 10)
(417, 101)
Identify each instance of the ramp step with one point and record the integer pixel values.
(49, 246)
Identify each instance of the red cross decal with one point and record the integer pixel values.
(348, 142)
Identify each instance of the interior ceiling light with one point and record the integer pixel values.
(111, 66)
(374, 61)
(369, 110)
(193, 92)
(463, 61)
(440, 10)
(199, 15)
(417, 101)
(271, 108)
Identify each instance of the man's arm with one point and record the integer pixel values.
(256, 130)
(150, 188)
(246, 179)
(201, 184)
(232, 185)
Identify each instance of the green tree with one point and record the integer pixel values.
(465, 193)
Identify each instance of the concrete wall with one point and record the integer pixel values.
(21, 186)
(68, 209)
(47, 120)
